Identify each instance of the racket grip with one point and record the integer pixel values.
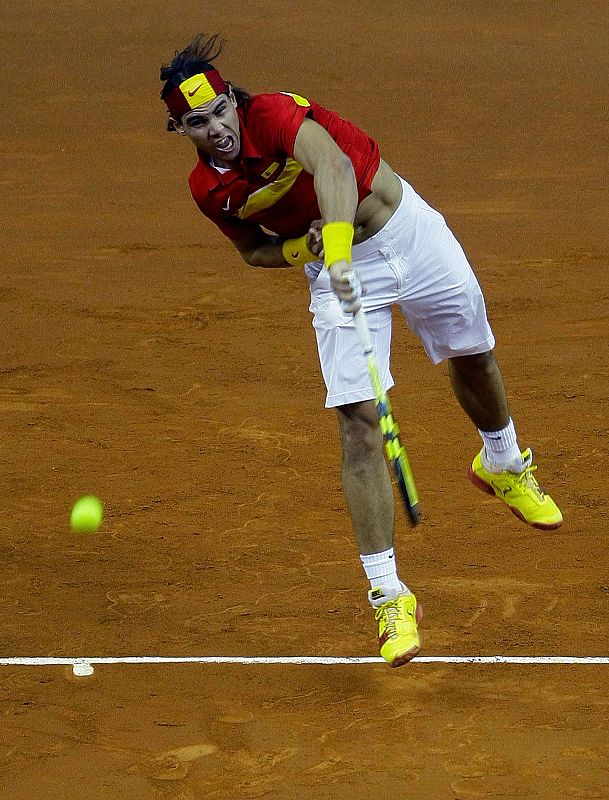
(363, 331)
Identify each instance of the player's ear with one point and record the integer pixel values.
(177, 126)
(231, 96)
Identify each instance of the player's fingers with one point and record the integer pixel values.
(354, 282)
(343, 289)
(351, 300)
(314, 242)
(350, 307)
(345, 282)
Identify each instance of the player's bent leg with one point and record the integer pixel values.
(499, 468)
(479, 388)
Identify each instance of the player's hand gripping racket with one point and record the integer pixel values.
(393, 446)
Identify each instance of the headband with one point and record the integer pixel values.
(195, 91)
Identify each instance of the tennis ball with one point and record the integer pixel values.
(87, 514)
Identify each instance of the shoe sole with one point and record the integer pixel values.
(399, 661)
(488, 489)
(404, 659)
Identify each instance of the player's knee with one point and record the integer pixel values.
(360, 435)
(478, 364)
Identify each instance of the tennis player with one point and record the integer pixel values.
(288, 181)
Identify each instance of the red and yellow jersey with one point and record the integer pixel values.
(269, 187)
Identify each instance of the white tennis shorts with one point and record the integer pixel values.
(414, 262)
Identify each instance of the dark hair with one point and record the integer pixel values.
(194, 58)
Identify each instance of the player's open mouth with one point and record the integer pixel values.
(225, 144)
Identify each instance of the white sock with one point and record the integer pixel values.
(502, 446)
(381, 570)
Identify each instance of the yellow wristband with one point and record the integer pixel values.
(296, 252)
(337, 238)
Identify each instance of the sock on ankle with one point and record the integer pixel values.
(502, 446)
(381, 570)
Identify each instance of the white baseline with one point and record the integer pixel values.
(322, 660)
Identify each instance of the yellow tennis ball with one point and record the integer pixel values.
(87, 514)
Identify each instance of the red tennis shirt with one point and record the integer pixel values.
(269, 187)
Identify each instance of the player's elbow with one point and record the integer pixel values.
(343, 167)
(260, 258)
(335, 171)
(254, 257)
(249, 259)
(246, 253)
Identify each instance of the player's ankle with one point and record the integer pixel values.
(501, 449)
(381, 570)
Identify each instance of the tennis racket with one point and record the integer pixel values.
(394, 448)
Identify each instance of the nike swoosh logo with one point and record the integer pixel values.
(295, 255)
(194, 91)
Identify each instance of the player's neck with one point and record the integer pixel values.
(220, 169)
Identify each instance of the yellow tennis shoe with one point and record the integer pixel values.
(518, 490)
(398, 616)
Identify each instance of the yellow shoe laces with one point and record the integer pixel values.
(392, 613)
(527, 479)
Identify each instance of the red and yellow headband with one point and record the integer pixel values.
(195, 91)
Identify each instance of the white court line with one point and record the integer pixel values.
(328, 660)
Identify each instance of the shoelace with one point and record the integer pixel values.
(392, 613)
(527, 479)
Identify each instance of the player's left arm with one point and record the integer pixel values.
(260, 249)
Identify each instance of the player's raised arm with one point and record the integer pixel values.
(332, 171)
(336, 190)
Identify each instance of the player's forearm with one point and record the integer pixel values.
(277, 252)
(268, 255)
(336, 190)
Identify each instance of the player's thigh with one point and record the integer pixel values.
(442, 299)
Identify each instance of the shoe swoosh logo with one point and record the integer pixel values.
(193, 92)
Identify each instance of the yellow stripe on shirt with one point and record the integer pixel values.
(266, 197)
(300, 101)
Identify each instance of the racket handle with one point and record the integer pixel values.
(363, 332)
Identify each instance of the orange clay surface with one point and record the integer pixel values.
(143, 362)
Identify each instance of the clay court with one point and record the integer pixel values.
(144, 362)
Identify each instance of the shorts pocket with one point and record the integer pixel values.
(397, 264)
(313, 270)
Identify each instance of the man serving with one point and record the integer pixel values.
(287, 180)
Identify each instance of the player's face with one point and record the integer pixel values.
(214, 129)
